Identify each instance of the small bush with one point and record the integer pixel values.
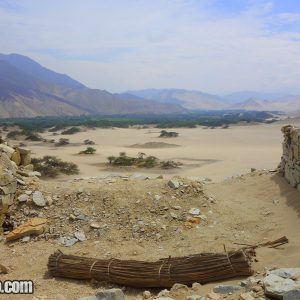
(62, 142)
(170, 164)
(141, 160)
(88, 150)
(13, 134)
(33, 137)
(165, 133)
(71, 130)
(51, 166)
(88, 142)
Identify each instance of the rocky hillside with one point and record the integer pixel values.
(27, 89)
(236, 101)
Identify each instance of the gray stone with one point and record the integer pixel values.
(138, 176)
(285, 272)
(34, 173)
(25, 239)
(247, 296)
(80, 236)
(70, 242)
(112, 294)
(194, 211)
(38, 199)
(292, 295)
(89, 298)
(179, 286)
(226, 289)
(23, 198)
(174, 184)
(194, 297)
(276, 286)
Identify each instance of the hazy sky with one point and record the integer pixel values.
(216, 46)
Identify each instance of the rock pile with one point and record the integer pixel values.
(274, 284)
(15, 162)
(290, 161)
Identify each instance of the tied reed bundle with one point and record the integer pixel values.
(202, 268)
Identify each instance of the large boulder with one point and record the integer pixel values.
(6, 149)
(16, 157)
(278, 283)
(25, 156)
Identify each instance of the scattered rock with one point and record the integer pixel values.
(80, 236)
(146, 295)
(34, 226)
(112, 294)
(276, 286)
(285, 272)
(213, 296)
(196, 286)
(246, 296)
(23, 198)
(194, 211)
(226, 289)
(69, 242)
(292, 295)
(95, 225)
(25, 239)
(178, 286)
(173, 184)
(38, 199)
(195, 297)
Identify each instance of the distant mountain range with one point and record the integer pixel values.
(28, 89)
(197, 100)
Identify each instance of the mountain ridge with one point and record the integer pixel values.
(27, 89)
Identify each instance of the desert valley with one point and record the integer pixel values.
(149, 150)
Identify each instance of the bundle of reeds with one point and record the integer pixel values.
(202, 268)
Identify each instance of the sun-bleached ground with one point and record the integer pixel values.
(213, 153)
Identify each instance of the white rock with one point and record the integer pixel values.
(285, 272)
(80, 236)
(112, 294)
(194, 211)
(174, 184)
(276, 286)
(38, 199)
(23, 198)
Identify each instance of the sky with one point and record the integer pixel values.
(216, 46)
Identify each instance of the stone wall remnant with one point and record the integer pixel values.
(290, 160)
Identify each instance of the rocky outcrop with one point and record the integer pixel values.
(290, 160)
(14, 162)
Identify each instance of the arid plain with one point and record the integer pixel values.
(207, 153)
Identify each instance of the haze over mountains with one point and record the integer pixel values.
(27, 89)
(197, 100)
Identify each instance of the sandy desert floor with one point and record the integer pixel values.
(249, 209)
(213, 153)
(244, 212)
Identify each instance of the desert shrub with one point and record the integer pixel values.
(165, 133)
(88, 150)
(88, 142)
(122, 160)
(51, 166)
(71, 130)
(13, 134)
(147, 162)
(33, 137)
(141, 160)
(62, 142)
(169, 164)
